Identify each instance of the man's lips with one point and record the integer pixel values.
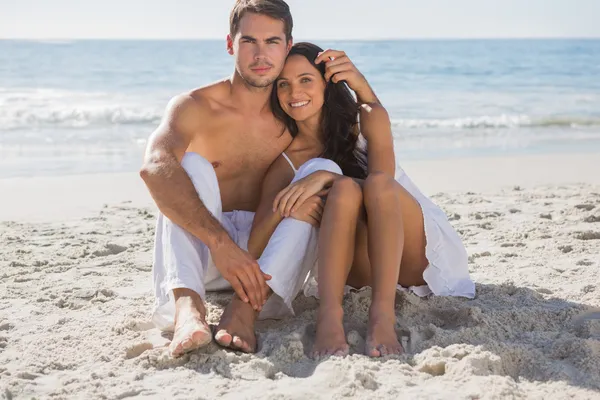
(261, 69)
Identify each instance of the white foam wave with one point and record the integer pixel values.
(499, 121)
(38, 108)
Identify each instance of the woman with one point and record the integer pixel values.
(375, 231)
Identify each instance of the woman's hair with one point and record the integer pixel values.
(339, 119)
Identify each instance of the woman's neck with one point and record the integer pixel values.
(309, 138)
(310, 128)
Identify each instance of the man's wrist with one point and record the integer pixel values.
(366, 95)
(217, 241)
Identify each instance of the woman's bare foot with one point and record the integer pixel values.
(381, 335)
(236, 328)
(191, 329)
(331, 339)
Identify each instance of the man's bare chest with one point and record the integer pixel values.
(242, 151)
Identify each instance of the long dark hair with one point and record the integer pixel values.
(339, 119)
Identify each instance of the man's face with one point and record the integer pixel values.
(260, 49)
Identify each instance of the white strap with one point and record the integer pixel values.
(289, 161)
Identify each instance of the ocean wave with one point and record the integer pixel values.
(39, 108)
(498, 122)
(78, 117)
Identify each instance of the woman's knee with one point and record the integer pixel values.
(380, 186)
(345, 191)
(318, 164)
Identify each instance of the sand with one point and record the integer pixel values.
(75, 298)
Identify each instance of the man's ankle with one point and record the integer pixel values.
(190, 301)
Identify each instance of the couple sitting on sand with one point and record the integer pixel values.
(262, 174)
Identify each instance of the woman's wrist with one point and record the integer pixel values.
(326, 177)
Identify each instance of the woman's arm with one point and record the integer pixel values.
(265, 222)
(374, 119)
(375, 126)
(292, 198)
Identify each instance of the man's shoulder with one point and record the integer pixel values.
(212, 95)
(205, 96)
(197, 102)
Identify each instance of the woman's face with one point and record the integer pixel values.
(300, 89)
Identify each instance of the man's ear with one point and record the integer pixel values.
(290, 44)
(229, 45)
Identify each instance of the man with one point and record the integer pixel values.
(204, 167)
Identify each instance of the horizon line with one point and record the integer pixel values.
(383, 39)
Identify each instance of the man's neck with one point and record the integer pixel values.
(250, 98)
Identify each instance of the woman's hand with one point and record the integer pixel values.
(292, 197)
(310, 211)
(340, 68)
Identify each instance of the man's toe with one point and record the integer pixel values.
(223, 338)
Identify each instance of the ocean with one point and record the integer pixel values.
(79, 107)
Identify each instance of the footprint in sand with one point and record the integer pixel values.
(565, 249)
(518, 244)
(592, 219)
(589, 235)
(586, 207)
(137, 350)
(109, 249)
(584, 263)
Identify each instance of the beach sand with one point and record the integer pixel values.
(75, 298)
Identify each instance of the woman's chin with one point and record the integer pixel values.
(299, 116)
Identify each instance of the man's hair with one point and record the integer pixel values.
(276, 9)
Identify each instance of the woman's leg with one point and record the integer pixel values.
(394, 253)
(336, 249)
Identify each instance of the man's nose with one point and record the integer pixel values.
(260, 51)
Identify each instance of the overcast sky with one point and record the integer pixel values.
(314, 19)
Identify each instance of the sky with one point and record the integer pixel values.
(313, 19)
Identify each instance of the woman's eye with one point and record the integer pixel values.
(282, 84)
(304, 80)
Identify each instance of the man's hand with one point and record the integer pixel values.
(310, 211)
(243, 273)
(339, 67)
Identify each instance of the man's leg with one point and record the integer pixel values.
(181, 262)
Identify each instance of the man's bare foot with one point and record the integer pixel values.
(236, 328)
(191, 329)
(331, 339)
(381, 335)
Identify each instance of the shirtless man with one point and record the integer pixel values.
(230, 125)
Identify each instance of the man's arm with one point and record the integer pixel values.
(168, 183)
(175, 195)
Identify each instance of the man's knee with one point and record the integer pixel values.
(345, 191)
(379, 186)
